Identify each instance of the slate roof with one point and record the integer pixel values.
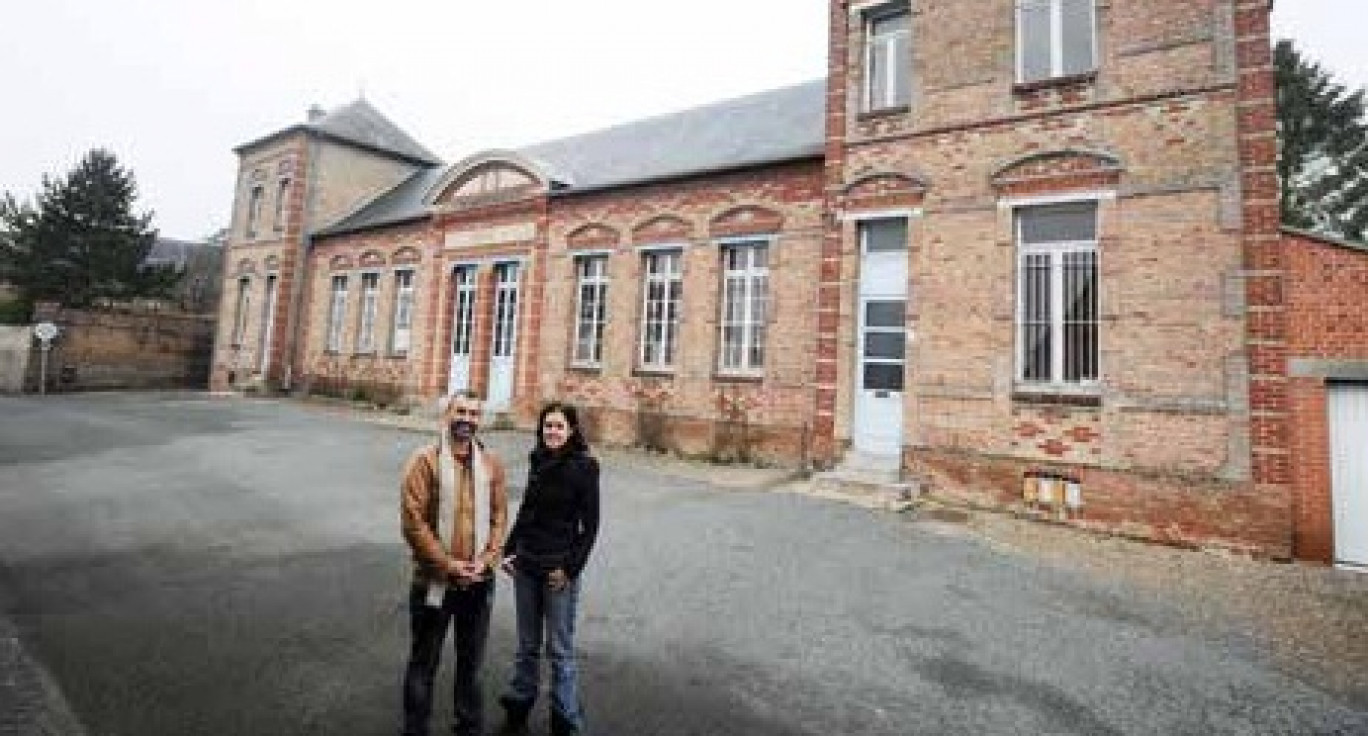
(361, 124)
(168, 251)
(777, 125)
(769, 127)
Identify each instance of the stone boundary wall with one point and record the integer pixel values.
(124, 349)
(16, 342)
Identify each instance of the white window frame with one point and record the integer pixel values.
(593, 316)
(282, 195)
(1056, 252)
(466, 283)
(899, 66)
(751, 316)
(370, 307)
(668, 312)
(1056, 40)
(337, 312)
(244, 301)
(254, 200)
(507, 295)
(401, 329)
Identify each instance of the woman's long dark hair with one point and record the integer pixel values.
(576, 442)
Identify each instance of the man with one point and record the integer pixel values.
(453, 512)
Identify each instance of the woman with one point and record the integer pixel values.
(547, 550)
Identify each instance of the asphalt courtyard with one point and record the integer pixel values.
(183, 564)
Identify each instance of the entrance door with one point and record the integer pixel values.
(267, 319)
(1348, 409)
(881, 350)
(462, 329)
(503, 361)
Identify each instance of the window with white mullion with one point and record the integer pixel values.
(1058, 325)
(402, 332)
(745, 295)
(464, 329)
(370, 294)
(505, 309)
(1055, 38)
(244, 299)
(592, 309)
(337, 309)
(888, 38)
(660, 309)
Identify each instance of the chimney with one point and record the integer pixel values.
(316, 113)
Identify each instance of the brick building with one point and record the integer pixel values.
(1024, 252)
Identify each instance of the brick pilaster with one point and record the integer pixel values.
(829, 291)
(1265, 271)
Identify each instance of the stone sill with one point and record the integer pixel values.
(1053, 398)
(1025, 88)
(883, 112)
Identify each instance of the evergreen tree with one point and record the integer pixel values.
(80, 240)
(1323, 164)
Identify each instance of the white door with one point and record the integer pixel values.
(502, 360)
(267, 320)
(881, 347)
(462, 328)
(1348, 409)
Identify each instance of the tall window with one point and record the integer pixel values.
(505, 309)
(745, 298)
(888, 55)
(1055, 38)
(463, 331)
(591, 309)
(1057, 330)
(663, 287)
(370, 296)
(254, 210)
(244, 296)
(282, 195)
(402, 333)
(337, 311)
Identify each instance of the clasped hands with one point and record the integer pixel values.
(464, 572)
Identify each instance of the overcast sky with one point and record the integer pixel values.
(171, 86)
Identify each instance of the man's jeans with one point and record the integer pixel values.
(539, 607)
(469, 610)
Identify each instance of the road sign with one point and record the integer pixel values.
(45, 331)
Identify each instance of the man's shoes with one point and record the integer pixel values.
(515, 716)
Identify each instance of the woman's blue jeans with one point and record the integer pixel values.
(546, 616)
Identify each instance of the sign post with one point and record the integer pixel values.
(45, 332)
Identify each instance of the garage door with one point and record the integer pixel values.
(1348, 408)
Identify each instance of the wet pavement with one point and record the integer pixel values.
(185, 564)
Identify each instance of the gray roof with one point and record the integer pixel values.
(403, 203)
(777, 125)
(769, 127)
(167, 251)
(360, 124)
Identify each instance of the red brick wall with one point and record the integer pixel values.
(1175, 128)
(693, 409)
(124, 349)
(1327, 319)
(382, 372)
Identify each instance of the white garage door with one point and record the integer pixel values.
(1348, 408)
